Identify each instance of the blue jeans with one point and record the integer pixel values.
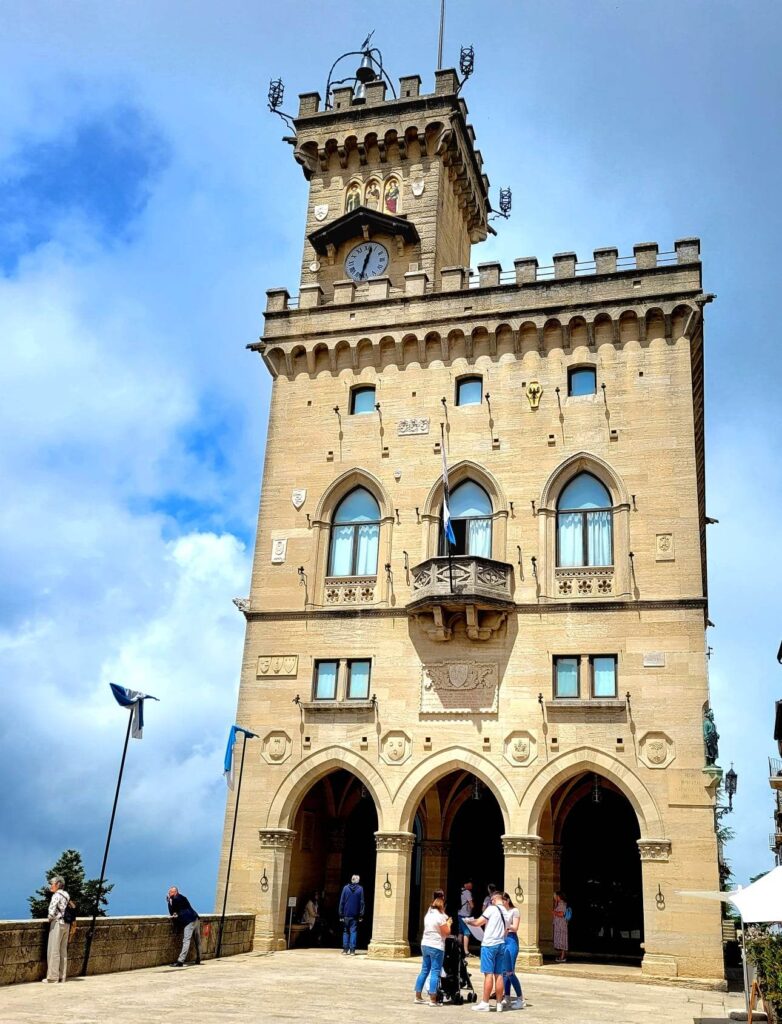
(509, 974)
(431, 965)
(349, 933)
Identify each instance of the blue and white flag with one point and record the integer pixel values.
(228, 764)
(134, 700)
(447, 527)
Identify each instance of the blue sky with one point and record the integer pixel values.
(147, 202)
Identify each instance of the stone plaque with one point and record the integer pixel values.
(395, 747)
(458, 687)
(521, 748)
(298, 497)
(687, 788)
(663, 548)
(415, 425)
(417, 186)
(279, 547)
(278, 665)
(654, 659)
(656, 750)
(321, 211)
(276, 747)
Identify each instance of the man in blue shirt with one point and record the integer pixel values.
(351, 911)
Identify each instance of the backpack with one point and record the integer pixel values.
(568, 914)
(69, 914)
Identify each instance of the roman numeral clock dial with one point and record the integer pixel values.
(369, 259)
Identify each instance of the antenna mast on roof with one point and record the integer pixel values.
(440, 41)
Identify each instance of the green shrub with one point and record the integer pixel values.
(765, 953)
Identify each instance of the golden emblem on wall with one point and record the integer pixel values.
(534, 391)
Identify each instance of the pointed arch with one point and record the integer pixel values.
(589, 759)
(342, 486)
(303, 777)
(583, 462)
(466, 470)
(451, 759)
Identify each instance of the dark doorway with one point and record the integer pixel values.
(360, 858)
(476, 847)
(601, 874)
(416, 880)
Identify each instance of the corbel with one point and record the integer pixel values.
(365, 231)
(331, 253)
(400, 245)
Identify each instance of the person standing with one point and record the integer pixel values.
(561, 914)
(436, 926)
(512, 983)
(186, 918)
(491, 888)
(351, 912)
(495, 925)
(59, 929)
(465, 911)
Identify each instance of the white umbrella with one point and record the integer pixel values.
(760, 901)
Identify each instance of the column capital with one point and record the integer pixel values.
(521, 846)
(398, 842)
(551, 851)
(654, 849)
(435, 847)
(276, 838)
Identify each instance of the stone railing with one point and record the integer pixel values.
(120, 944)
(462, 576)
(349, 590)
(584, 581)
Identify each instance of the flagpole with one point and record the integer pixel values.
(91, 933)
(231, 850)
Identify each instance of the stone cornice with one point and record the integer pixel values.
(556, 606)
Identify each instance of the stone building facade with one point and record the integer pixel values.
(528, 709)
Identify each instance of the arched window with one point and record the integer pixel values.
(469, 391)
(581, 380)
(471, 511)
(355, 533)
(584, 518)
(362, 399)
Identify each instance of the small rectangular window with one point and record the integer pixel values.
(325, 686)
(358, 679)
(362, 400)
(581, 380)
(603, 675)
(566, 682)
(469, 391)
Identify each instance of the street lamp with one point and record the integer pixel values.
(731, 782)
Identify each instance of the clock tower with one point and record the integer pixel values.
(519, 699)
(396, 188)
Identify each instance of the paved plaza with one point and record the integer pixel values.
(324, 987)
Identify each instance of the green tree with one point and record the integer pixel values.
(82, 891)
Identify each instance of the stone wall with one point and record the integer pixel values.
(120, 944)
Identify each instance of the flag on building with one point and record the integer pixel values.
(447, 527)
(228, 764)
(134, 700)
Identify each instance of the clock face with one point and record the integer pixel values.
(369, 259)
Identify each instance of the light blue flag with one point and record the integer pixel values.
(447, 527)
(134, 700)
(228, 764)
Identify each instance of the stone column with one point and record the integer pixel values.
(658, 962)
(550, 866)
(392, 896)
(434, 872)
(276, 850)
(522, 871)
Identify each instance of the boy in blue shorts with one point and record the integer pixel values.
(495, 925)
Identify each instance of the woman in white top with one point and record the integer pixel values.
(512, 983)
(436, 926)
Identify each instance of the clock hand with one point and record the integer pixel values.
(364, 267)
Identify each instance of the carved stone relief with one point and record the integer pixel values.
(276, 747)
(654, 849)
(664, 548)
(395, 747)
(534, 391)
(413, 425)
(521, 748)
(279, 548)
(321, 211)
(656, 750)
(453, 687)
(278, 665)
(298, 497)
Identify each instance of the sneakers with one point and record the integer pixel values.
(481, 1007)
(518, 1004)
(177, 963)
(419, 1001)
(501, 1007)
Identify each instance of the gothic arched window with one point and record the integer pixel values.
(355, 533)
(584, 523)
(471, 512)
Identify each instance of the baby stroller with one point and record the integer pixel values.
(455, 976)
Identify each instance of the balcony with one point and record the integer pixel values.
(462, 595)
(774, 841)
(775, 772)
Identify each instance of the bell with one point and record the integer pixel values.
(365, 72)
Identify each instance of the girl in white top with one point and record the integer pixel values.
(437, 925)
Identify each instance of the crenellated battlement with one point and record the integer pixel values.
(568, 276)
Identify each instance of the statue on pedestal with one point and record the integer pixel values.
(710, 738)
